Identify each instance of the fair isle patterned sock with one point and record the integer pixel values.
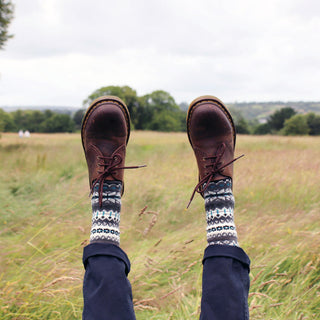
(219, 205)
(106, 219)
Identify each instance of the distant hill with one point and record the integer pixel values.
(57, 109)
(262, 110)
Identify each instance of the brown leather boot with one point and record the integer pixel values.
(105, 133)
(212, 136)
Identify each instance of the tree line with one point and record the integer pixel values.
(285, 121)
(36, 121)
(156, 111)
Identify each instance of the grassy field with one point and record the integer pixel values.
(45, 223)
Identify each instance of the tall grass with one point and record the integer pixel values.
(45, 222)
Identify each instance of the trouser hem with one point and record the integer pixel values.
(105, 249)
(227, 251)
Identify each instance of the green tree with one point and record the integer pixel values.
(242, 126)
(34, 119)
(57, 123)
(161, 100)
(263, 128)
(296, 125)
(6, 15)
(127, 94)
(313, 121)
(151, 109)
(181, 116)
(165, 121)
(77, 118)
(6, 122)
(48, 114)
(20, 119)
(2, 113)
(277, 119)
(28, 120)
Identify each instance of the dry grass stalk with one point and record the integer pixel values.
(144, 301)
(275, 305)
(84, 242)
(259, 266)
(170, 293)
(256, 277)
(145, 304)
(143, 211)
(154, 270)
(189, 267)
(158, 242)
(53, 282)
(259, 294)
(152, 222)
(142, 307)
(267, 282)
(254, 307)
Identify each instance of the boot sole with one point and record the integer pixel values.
(99, 101)
(218, 103)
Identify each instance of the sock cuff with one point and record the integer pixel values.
(109, 185)
(111, 196)
(219, 196)
(219, 187)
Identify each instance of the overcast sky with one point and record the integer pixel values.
(247, 50)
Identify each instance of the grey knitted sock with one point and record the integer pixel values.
(106, 219)
(219, 205)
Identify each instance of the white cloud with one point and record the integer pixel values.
(237, 50)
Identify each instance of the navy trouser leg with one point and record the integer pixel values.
(106, 290)
(225, 283)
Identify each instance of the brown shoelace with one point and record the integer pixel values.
(216, 167)
(110, 166)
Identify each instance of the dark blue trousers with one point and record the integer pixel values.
(107, 291)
